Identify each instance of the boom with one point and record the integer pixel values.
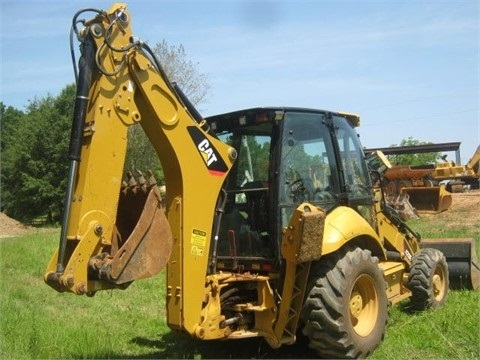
(120, 84)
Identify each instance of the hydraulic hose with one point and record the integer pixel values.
(188, 104)
(86, 63)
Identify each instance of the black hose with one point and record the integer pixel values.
(188, 104)
(220, 211)
(75, 20)
(86, 64)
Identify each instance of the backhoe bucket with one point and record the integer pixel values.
(463, 265)
(144, 241)
(428, 199)
(140, 245)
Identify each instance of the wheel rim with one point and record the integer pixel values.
(438, 282)
(363, 305)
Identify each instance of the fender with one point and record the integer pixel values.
(343, 225)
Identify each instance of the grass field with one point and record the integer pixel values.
(39, 323)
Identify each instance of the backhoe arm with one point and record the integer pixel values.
(116, 231)
(474, 162)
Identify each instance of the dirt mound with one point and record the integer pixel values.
(463, 212)
(11, 227)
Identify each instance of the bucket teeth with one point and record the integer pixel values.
(141, 179)
(150, 178)
(138, 182)
(131, 180)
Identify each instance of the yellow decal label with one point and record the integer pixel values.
(198, 241)
(197, 250)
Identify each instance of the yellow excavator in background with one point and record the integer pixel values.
(416, 184)
(457, 177)
(252, 246)
(429, 188)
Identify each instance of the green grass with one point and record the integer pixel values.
(451, 332)
(37, 322)
(441, 226)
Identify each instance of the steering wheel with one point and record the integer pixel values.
(298, 190)
(322, 195)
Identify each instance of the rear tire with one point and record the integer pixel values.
(346, 306)
(428, 279)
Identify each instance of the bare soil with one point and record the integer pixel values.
(10, 227)
(465, 210)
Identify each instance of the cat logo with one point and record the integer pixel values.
(207, 152)
(212, 159)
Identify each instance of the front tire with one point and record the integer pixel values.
(428, 279)
(346, 306)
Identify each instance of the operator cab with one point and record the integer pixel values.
(286, 156)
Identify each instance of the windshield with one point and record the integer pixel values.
(306, 165)
(353, 159)
(253, 152)
(244, 233)
(356, 178)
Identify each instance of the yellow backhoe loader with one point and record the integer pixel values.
(253, 246)
(425, 195)
(457, 177)
(429, 188)
(464, 268)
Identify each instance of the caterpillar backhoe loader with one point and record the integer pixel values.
(273, 224)
(426, 196)
(429, 188)
(457, 177)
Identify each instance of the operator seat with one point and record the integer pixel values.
(257, 202)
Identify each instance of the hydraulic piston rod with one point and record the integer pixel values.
(81, 102)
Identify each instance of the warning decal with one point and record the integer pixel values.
(198, 241)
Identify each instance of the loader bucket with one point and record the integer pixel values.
(463, 265)
(428, 199)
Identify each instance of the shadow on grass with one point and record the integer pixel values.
(175, 345)
(407, 308)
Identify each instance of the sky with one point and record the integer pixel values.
(408, 68)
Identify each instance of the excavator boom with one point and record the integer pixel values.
(474, 162)
(115, 229)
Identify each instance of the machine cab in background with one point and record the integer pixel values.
(286, 156)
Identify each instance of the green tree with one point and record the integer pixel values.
(34, 157)
(11, 121)
(9, 116)
(416, 158)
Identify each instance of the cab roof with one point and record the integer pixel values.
(277, 112)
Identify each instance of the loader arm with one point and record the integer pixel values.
(474, 162)
(114, 234)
